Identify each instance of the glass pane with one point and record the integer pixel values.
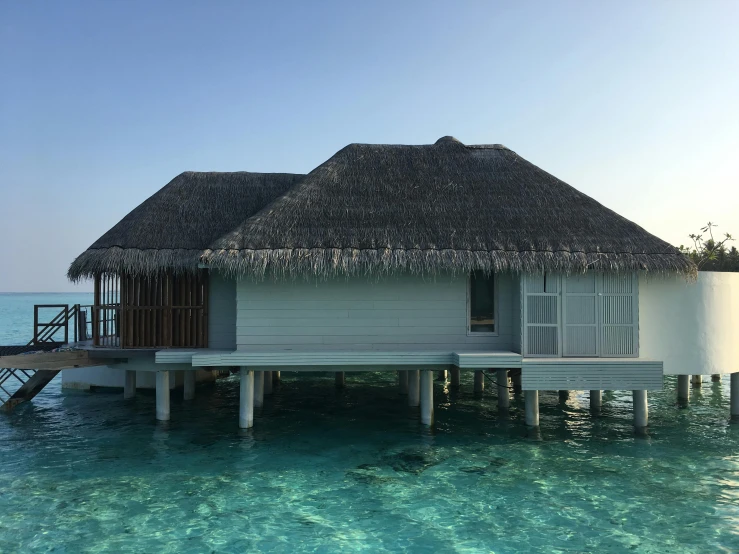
(482, 303)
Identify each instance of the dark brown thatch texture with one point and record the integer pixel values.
(376, 209)
(170, 230)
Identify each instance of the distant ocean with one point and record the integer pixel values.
(16, 312)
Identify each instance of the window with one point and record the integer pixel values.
(481, 302)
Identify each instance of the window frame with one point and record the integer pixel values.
(496, 308)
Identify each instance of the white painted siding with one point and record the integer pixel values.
(396, 313)
(221, 312)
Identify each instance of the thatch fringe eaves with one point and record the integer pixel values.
(324, 263)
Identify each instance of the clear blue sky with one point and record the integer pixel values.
(102, 103)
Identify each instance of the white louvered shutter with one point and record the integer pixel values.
(619, 318)
(580, 315)
(541, 315)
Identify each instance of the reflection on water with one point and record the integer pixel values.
(352, 470)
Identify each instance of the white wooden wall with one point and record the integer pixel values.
(221, 312)
(406, 312)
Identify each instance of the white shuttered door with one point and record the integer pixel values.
(580, 324)
(541, 315)
(619, 317)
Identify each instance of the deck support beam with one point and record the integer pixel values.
(683, 388)
(340, 378)
(734, 396)
(188, 385)
(129, 385)
(455, 378)
(403, 381)
(479, 381)
(641, 409)
(246, 398)
(504, 395)
(697, 381)
(258, 389)
(427, 397)
(163, 395)
(596, 400)
(531, 399)
(414, 386)
(268, 382)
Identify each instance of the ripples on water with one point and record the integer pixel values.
(326, 470)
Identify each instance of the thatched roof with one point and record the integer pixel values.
(376, 209)
(171, 229)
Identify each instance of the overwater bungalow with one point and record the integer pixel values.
(409, 259)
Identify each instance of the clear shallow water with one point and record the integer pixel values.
(329, 471)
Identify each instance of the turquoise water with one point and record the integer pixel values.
(350, 471)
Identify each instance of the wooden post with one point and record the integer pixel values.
(442, 375)
(531, 398)
(697, 381)
(275, 377)
(641, 409)
(564, 395)
(455, 378)
(268, 382)
(163, 395)
(716, 377)
(734, 395)
(189, 384)
(516, 379)
(258, 389)
(403, 381)
(246, 398)
(683, 388)
(504, 396)
(129, 385)
(413, 387)
(479, 381)
(340, 379)
(596, 400)
(427, 397)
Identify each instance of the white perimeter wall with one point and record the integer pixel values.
(405, 312)
(692, 327)
(113, 375)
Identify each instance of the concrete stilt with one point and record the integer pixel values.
(531, 398)
(683, 388)
(163, 395)
(696, 381)
(734, 396)
(129, 385)
(479, 381)
(340, 379)
(268, 382)
(258, 389)
(442, 375)
(246, 398)
(403, 381)
(275, 376)
(641, 410)
(504, 395)
(188, 388)
(516, 379)
(715, 377)
(414, 385)
(455, 378)
(427, 397)
(596, 400)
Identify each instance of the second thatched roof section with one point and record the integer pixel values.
(377, 209)
(170, 230)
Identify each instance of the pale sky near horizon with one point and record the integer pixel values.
(103, 103)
